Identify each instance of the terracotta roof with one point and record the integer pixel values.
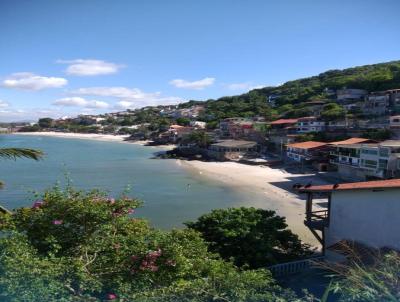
(176, 126)
(284, 121)
(307, 145)
(353, 140)
(376, 184)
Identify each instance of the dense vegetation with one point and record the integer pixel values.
(77, 246)
(250, 237)
(290, 97)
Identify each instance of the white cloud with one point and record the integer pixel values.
(31, 81)
(127, 104)
(117, 92)
(239, 86)
(81, 67)
(81, 102)
(128, 97)
(198, 85)
(4, 104)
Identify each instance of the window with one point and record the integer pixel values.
(371, 152)
(384, 152)
(370, 163)
(383, 164)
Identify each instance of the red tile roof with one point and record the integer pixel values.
(307, 145)
(284, 121)
(354, 140)
(376, 184)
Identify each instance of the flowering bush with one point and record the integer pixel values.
(85, 246)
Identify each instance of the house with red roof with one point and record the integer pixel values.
(305, 151)
(360, 212)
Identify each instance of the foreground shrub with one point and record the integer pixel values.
(78, 246)
(379, 281)
(249, 236)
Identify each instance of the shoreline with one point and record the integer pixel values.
(273, 184)
(95, 136)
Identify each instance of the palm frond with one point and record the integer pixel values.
(14, 153)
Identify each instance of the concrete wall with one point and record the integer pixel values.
(365, 216)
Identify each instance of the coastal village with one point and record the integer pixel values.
(357, 156)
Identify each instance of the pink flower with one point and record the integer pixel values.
(131, 211)
(57, 222)
(170, 262)
(153, 268)
(111, 200)
(111, 296)
(37, 204)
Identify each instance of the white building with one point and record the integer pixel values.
(361, 212)
(365, 159)
(309, 124)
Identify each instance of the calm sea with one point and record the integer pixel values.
(171, 193)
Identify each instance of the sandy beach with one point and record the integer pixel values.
(274, 183)
(93, 136)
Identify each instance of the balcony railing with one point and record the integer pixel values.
(317, 219)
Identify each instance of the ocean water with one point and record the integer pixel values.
(171, 193)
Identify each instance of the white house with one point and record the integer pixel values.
(361, 212)
(310, 124)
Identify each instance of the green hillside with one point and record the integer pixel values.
(290, 96)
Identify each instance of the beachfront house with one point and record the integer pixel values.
(356, 159)
(305, 151)
(361, 212)
(232, 149)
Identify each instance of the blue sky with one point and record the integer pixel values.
(67, 57)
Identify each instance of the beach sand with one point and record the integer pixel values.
(98, 137)
(275, 184)
(93, 136)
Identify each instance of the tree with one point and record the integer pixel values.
(183, 121)
(85, 246)
(249, 236)
(333, 112)
(46, 122)
(200, 138)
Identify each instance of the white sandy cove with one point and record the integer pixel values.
(273, 183)
(94, 136)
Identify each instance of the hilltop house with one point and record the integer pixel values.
(241, 128)
(309, 124)
(376, 103)
(361, 212)
(315, 107)
(350, 95)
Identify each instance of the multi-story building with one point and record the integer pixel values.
(310, 124)
(365, 160)
(350, 95)
(305, 151)
(282, 132)
(377, 103)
